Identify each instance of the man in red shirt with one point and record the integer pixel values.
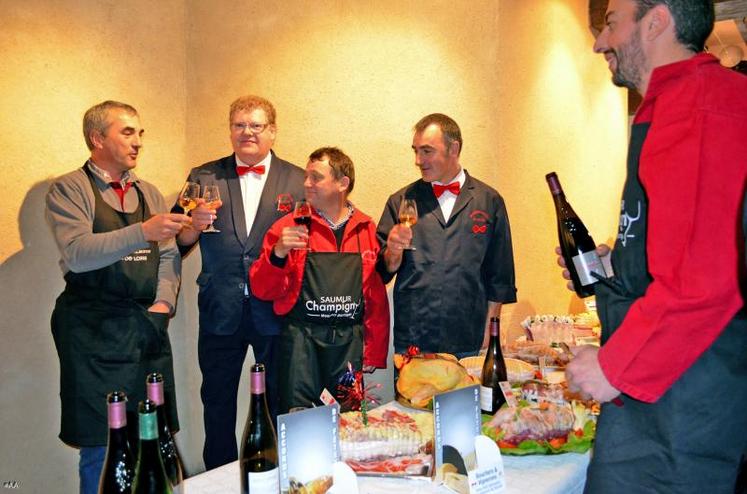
(674, 330)
(322, 279)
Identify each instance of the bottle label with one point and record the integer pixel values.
(117, 414)
(257, 383)
(155, 392)
(263, 482)
(588, 263)
(148, 426)
(486, 398)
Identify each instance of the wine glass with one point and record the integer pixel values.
(302, 216)
(211, 195)
(188, 196)
(408, 216)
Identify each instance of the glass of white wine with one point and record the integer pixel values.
(211, 195)
(408, 216)
(188, 196)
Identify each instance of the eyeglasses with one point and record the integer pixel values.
(254, 127)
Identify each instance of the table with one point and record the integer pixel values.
(552, 474)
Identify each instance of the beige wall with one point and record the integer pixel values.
(518, 76)
(59, 58)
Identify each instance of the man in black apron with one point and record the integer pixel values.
(121, 269)
(674, 330)
(323, 280)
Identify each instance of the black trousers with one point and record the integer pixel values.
(311, 358)
(690, 440)
(221, 360)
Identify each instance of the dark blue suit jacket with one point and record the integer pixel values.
(227, 256)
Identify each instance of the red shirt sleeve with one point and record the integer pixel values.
(376, 315)
(270, 282)
(693, 167)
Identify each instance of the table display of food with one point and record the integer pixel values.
(394, 447)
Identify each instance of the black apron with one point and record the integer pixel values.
(105, 337)
(323, 331)
(667, 446)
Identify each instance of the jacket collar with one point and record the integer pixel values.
(666, 76)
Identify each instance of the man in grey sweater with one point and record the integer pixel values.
(122, 273)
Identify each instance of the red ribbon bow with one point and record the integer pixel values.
(243, 170)
(453, 187)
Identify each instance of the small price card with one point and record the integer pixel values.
(488, 477)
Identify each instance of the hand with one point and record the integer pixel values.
(203, 215)
(603, 250)
(400, 236)
(584, 374)
(164, 226)
(160, 307)
(368, 369)
(292, 237)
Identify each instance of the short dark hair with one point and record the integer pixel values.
(448, 126)
(249, 103)
(97, 118)
(342, 165)
(693, 19)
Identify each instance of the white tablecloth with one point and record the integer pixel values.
(557, 474)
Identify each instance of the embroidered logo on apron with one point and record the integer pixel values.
(338, 307)
(479, 221)
(140, 255)
(626, 223)
(284, 203)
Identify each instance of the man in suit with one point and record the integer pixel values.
(256, 188)
(462, 245)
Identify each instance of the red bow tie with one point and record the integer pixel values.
(453, 187)
(243, 170)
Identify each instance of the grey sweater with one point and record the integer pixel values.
(70, 212)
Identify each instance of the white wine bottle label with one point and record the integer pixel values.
(587, 263)
(486, 398)
(264, 482)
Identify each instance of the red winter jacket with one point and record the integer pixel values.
(693, 166)
(282, 285)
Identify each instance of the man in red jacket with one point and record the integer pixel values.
(322, 279)
(674, 329)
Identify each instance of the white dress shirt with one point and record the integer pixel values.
(251, 190)
(447, 199)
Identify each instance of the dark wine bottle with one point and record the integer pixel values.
(119, 464)
(150, 476)
(577, 246)
(493, 372)
(169, 454)
(258, 460)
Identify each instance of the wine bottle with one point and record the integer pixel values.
(258, 460)
(150, 476)
(576, 245)
(493, 372)
(119, 464)
(169, 454)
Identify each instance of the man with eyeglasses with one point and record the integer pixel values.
(255, 188)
